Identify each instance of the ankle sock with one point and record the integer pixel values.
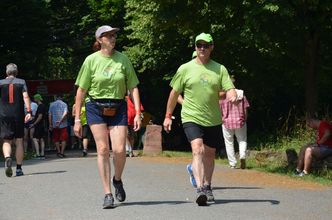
(116, 181)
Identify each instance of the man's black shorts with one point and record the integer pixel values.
(212, 136)
(39, 132)
(86, 132)
(11, 128)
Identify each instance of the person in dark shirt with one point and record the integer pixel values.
(39, 125)
(13, 96)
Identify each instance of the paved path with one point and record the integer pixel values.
(70, 189)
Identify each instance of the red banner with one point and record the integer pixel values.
(51, 87)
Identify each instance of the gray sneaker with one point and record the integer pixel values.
(19, 172)
(8, 167)
(208, 192)
(297, 172)
(120, 193)
(201, 198)
(302, 174)
(108, 201)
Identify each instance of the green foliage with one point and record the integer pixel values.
(73, 24)
(57, 60)
(23, 35)
(279, 51)
(260, 42)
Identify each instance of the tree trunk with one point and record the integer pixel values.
(311, 55)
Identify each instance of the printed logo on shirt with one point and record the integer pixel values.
(108, 72)
(204, 80)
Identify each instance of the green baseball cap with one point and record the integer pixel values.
(205, 37)
(38, 97)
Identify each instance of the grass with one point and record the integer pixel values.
(322, 176)
(176, 154)
(299, 136)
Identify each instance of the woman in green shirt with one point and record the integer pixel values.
(103, 81)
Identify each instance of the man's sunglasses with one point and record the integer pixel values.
(205, 46)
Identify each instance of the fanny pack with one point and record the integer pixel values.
(108, 108)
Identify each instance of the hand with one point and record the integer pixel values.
(57, 124)
(78, 129)
(232, 99)
(167, 124)
(231, 95)
(137, 122)
(27, 117)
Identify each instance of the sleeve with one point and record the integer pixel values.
(226, 82)
(25, 88)
(50, 109)
(83, 79)
(131, 77)
(65, 107)
(177, 81)
(324, 126)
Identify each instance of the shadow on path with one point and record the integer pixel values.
(48, 172)
(224, 201)
(154, 203)
(235, 187)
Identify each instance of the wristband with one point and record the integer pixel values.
(77, 120)
(29, 112)
(168, 115)
(138, 112)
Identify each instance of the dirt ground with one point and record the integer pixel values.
(248, 177)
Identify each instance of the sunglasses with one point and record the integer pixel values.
(205, 46)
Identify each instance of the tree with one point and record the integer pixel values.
(266, 44)
(23, 34)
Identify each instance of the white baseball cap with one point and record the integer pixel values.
(105, 28)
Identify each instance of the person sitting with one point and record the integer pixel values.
(319, 150)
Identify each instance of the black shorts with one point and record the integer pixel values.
(131, 131)
(212, 136)
(39, 132)
(11, 128)
(86, 132)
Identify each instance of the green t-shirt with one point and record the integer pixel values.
(107, 77)
(201, 85)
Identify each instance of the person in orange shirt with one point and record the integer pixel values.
(131, 133)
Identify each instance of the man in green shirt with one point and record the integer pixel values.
(200, 80)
